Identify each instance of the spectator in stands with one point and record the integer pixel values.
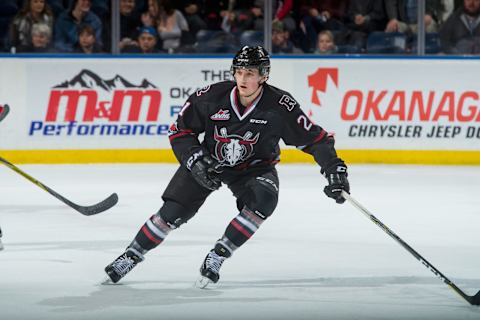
(326, 43)
(191, 11)
(319, 15)
(213, 12)
(150, 17)
(364, 17)
(171, 24)
(129, 23)
(41, 36)
(448, 8)
(147, 42)
(87, 42)
(33, 11)
(402, 15)
(281, 12)
(241, 16)
(281, 43)
(66, 27)
(460, 34)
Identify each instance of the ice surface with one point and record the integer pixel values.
(313, 259)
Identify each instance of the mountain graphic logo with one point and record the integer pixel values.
(87, 79)
(318, 81)
(88, 97)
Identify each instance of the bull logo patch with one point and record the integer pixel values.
(231, 150)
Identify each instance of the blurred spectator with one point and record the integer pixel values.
(364, 16)
(87, 42)
(240, 16)
(195, 22)
(66, 27)
(129, 23)
(40, 42)
(460, 34)
(319, 15)
(448, 8)
(147, 42)
(213, 12)
(33, 11)
(281, 12)
(150, 17)
(281, 43)
(129, 19)
(171, 24)
(402, 15)
(326, 43)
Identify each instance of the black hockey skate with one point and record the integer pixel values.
(210, 269)
(123, 264)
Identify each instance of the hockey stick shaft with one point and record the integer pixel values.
(473, 300)
(85, 210)
(4, 110)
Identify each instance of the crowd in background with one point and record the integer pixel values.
(207, 26)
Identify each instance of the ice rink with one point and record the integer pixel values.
(313, 259)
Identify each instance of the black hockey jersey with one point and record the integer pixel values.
(244, 136)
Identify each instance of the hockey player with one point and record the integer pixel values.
(242, 121)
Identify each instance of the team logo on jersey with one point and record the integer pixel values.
(221, 115)
(288, 102)
(203, 90)
(233, 149)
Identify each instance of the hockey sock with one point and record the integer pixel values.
(152, 233)
(240, 229)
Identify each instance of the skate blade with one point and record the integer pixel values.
(203, 282)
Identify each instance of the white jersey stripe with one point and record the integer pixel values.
(155, 230)
(247, 223)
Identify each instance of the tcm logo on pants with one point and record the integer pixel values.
(102, 99)
(318, 82)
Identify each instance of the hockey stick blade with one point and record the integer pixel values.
(473, 300)
(85, 210)
(4, 110)
(93, 209)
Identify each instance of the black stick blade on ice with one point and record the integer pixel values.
(85, 210)
(474, 300)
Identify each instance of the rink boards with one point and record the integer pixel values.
(86, 110)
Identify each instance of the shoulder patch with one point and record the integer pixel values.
(202, 91)
(288, 102)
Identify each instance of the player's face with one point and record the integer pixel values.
(248, 80)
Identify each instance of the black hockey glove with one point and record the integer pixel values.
(336, 174)
(204, 169)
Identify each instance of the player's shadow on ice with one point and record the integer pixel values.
(125, 295)
(128, 293)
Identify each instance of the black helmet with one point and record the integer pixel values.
(252, 57)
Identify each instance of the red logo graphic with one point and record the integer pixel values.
(318, 82)
(221, 115)
(88, 89)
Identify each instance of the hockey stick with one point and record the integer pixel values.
(85, 210)
(4, 110)
(473, 300)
